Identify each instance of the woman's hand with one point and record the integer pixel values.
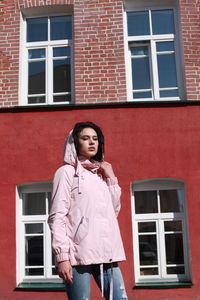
(64, 269)
(107, 170)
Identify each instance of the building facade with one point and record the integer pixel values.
(133, 68)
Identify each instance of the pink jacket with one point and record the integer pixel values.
(83, 216)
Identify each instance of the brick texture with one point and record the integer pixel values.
(190, 25)
(99, 59)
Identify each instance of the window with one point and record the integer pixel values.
(153, 56)
(160, 231)
(47, 60)
(34, 255)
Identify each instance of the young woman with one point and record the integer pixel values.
(83, 219)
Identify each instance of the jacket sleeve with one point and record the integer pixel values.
(61, 198)
(115, 192)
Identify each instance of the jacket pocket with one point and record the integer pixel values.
(81, 230)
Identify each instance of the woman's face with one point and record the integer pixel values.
(88, 142)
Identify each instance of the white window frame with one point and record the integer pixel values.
(153, 5)
(159, 218)
(48, 45)
(36, 187)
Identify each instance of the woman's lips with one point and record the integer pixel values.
(91, 148)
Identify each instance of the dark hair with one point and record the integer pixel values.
(79, 127)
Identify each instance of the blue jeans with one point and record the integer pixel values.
(80, 288)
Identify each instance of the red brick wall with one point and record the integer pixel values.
(99, 51)
(99, 65)
(190, 23)
(9, 53)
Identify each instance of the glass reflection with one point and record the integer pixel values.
(148, 271)
(34, 271)
(34, 204)
(171, 200)
(34, 228)
(147, 227)
(167, 70)
(163, 21)
(61, 51)
(140, 95)
(148, 250)
(175, 270)
(37, 99)
(141, 73)
(34, 251)
(164, 46)
(61, 76)
(169, 93)
(174, 248)
(62, 98)
(36, 53)
(61, 27)
(36, 79)
(146, 202)
(37, 29)
(173, 225)
(138, 23)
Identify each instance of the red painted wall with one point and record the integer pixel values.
(141, 142)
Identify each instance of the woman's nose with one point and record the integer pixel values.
(91, 141)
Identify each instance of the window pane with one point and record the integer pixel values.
(164, 46)
(175, 270)
(34, 271)
(34, 204)
(146, 202)
(37, 30)
(173, 225)
(171, 200)
(148, 271)
(167, 70)
(163, 21)
(61, 76)
(38, 99)
(174, 248)
(61, 51)
(169, 93)
(54, 272)
(140, 95)
(34, 228)
(139, 50)
(49, 201)
(36, 53)
(141, 73)
(36, 80)
(138, 23)
(146, 227)
(148, 250)
(34, 251)
(61, 28)
(62, 98)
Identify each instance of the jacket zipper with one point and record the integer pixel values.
(81, 221)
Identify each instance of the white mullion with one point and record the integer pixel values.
(26, 74)
(49, 75)
(155, 80)
(160, 243)
(162, 249)
(150, 22)
(47, 245)
(136, 249)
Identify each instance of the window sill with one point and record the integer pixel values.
(162, 285)
(41, 286)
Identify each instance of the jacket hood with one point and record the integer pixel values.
(70, 155)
